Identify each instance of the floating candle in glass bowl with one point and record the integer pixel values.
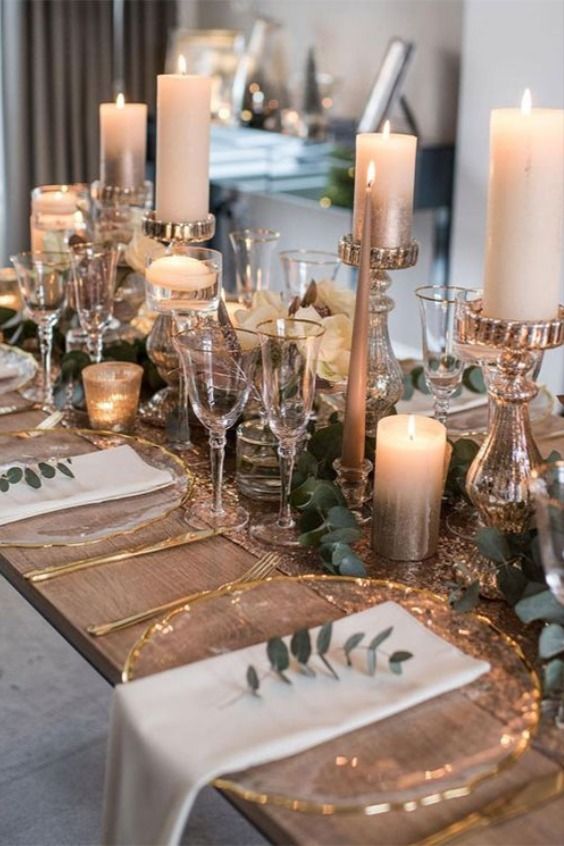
(409, 478)
(57, 213)
(112, 391)
(188, 279)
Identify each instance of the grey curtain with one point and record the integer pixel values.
(56, 68)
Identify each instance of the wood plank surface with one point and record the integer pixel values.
(74, 601)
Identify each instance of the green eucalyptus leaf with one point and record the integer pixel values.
(551, 641)
(342, 536)
(329, 667)
(325, 496)
(466, 599)
(553, 677)
(552, 457)
(339, 517)
(351, 643)
(306, 467)
(314, 537)
(325, 444)
(14, 475)
(473, 379)
(278, 654)
(252, 679)
(352, 565)
(493, 545)
(397, 659)
(300, 646)
(540, 606)
(4, 484)
(301, 496)
(380, 638)
(46, 470)
(408, 388)
(326, 552)
(324, 638)
(65, 470)
(419, 381)
(31, 478)
(464, 451)
(311, 520)
(512, 583)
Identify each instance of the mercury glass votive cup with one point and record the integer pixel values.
(112, 391)
(547, 489)
(253, 258)
(304, 266)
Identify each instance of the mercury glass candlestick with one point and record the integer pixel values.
(385, 378)
(497, 481)
(112, 394)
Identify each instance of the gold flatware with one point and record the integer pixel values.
(259, 570)
(519, 801)
(15, 409)
(47, 573)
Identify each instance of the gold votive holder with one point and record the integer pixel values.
(112, 391)
(353, 484)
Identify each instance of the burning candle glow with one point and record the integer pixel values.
(112, 394)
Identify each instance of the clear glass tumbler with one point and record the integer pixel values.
(289, 361)
(253, 258)
(547, 489)
(304, 266)
(94, 272)
(44, 280)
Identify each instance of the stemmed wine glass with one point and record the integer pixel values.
(219, 369)
(43, 278)
(289, 361)
(547, 488)
(442, 359)
(94, 273)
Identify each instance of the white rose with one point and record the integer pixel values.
(266, 306)
(337, 300)
(139, 249)
(335, 348)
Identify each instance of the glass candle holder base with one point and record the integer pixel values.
(269, 532)
(201, 516)
(353, 483)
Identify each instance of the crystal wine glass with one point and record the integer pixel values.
(253, 256)
(94, 271)
(219, 369)
(289, 361)
(43, 279)
(547, 488)
(442, 360)
(304, 266)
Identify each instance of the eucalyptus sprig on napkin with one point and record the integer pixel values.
(34, 475)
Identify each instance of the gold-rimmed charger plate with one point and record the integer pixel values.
(97, 521)
(24, 365)
(441, 749)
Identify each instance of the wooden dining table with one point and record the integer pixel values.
(72, 602)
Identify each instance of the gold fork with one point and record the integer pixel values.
(259, 570)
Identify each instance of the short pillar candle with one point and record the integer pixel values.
(408, 486)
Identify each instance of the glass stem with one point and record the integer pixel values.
(183, 415)
(217, 453)
(45, 332)
(94, 344)
(441, 408)
(287, 456)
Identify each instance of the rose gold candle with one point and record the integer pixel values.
(112, 394)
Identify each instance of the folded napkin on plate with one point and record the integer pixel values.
(174, 732)
(99, 476)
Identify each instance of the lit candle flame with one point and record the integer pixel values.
(411, 427)
(526, 102)
(386, 130)
(181, 64)
(120, 101)
(370, 175)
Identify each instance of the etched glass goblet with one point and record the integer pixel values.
(44, 280)
(94, 273)
(289, 351)
(253, 257)
(442, 359)
(219, 369)
(547, 489)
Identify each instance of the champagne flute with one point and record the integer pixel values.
(94, 271)
(289, 351)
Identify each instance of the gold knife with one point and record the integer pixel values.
(521, 800)
(47, 573)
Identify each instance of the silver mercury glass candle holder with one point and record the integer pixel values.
(385, 378)
(169, 408)
(497, 481)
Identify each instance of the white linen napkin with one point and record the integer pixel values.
(99, 476)
(172, 733)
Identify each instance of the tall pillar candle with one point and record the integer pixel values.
(183, 142)
(392, 196)
(355, 410)
(409, 477)
(525, 210)
(123, 143)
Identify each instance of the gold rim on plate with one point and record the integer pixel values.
(327, 808)
(89, 433)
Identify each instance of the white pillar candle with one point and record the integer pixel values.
(525, 209)
(180, 273)
(408, 485)
(183, 142)
(392, 195)
(123, 143)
